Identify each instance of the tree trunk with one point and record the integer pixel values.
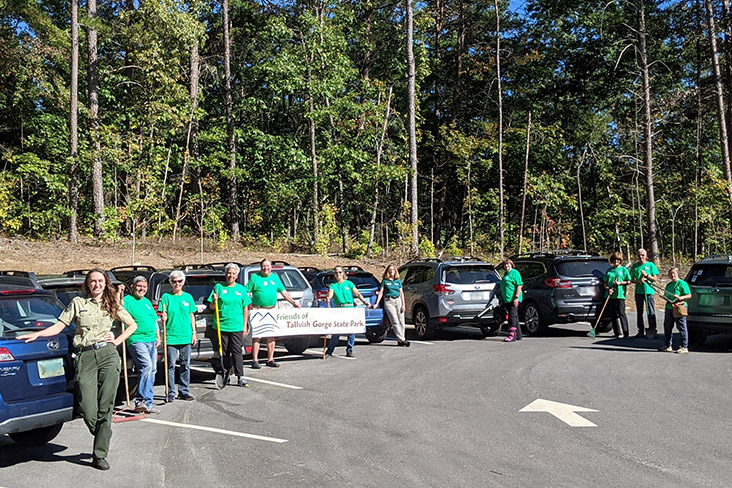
(526, 177)
(648, 136)
(93, 75)
(723, 137)
(233, 211)
(379, 152)
(579, 197)
(74, 125)
(313, 156)
(500, 129)
(411, 102)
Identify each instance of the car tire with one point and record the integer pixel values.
(297, 345)
(697, 337)
(36, 437)
(376, 335)
(533, 322)
(421, 321)
(605, 326)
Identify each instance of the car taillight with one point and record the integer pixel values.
(442, 289)
(5, 355)
(557, 283)
(321, 296)
(17, 292)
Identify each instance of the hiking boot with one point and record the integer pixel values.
(100, 463)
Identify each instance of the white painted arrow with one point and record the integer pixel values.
(563, 411)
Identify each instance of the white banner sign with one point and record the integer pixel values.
(278, 322)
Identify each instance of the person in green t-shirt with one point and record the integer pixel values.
(512, 292)
(233, 300)
(179, 308)
(677, 291)
(143, 344)
(642, 273)
(393, 295)
(264, 287)
(342, 293)
(616, 281)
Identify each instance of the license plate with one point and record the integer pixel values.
(284, 304)
(478, 295)
(201, 322)
(50, 368)
(711, 300)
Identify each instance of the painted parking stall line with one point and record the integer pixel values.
(274, 383)
(424, 342)
(215, 430)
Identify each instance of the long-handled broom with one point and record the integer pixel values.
(591, 333)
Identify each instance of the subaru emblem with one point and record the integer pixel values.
(53, 345)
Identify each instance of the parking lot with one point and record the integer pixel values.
(441, 413)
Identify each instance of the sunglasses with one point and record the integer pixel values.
(178, 281)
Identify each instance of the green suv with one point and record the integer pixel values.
(710, 306)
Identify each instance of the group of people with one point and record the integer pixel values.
(644, 274)
(97, 362)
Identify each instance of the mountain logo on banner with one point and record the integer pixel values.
(263, 323)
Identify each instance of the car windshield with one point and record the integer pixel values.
(710, 274)
(291, 279)
(28, 313)
(361, 280)
(583, 268)
(199, 287)
(468, 275)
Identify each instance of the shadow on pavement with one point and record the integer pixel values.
(12, 454)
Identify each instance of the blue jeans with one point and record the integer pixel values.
(145, 355)
(333, 342)
(668, 328)
(184, 350)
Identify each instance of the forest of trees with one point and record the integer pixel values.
(300, 124)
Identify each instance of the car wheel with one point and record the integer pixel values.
(422, 324)
(532, 320)
(605, 326)
(376, 335)
(297, 345)
(696, 337)
(36, 437)
(490, 330)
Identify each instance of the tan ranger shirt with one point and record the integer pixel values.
(92, 322)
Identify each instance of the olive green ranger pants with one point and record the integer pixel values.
(97, 378)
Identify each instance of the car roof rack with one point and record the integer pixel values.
(21, 278)
(81, 273)
(196, 267)
(311, 269)
(728, 257)
(135, 267)
(351, 267)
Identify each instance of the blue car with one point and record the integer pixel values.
(34, 398)
(377, 324)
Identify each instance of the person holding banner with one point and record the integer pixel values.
(391, 291)
(342, 293)
(677, 291)
(616, 280)
(233, 318)
(264, 287)
(143, 344)
(178, 309)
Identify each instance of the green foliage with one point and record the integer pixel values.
(427, 248)
(328, 231)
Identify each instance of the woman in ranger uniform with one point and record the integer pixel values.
(342, 292)
(97, 362)
(393, 295)
(616, 281)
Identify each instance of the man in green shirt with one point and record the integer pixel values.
(641, 273)
(616, 280)
(179, 308)
(264, 287)
(343, 292)
(143, 343)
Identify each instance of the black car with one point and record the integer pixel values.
(66, 288)
(309, 273)
(561, 287)
(126, 274)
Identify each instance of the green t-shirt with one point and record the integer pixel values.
(233, 300)
(264, 289)
(636, 274)
(678, 287)
(179, 309)
(509, 283)
(620, 273)
(391, 288)
(342, 293)
(143, 313)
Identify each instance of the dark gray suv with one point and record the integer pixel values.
(448, 293)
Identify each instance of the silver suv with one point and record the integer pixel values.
(448, 293)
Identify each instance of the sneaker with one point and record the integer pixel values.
(242, 382)
(170, 399)
(140, 407)
(273, 364)
(683, 350)
(255, 365)
(328, 356)
(665, 349)
(186, 396)
(152, 411)
(219, 381)
(100, 463)
(349, 353)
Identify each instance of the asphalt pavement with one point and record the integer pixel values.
(597, 412)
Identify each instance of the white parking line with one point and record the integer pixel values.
(215, 430)
(424, 342)
(274, 383)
